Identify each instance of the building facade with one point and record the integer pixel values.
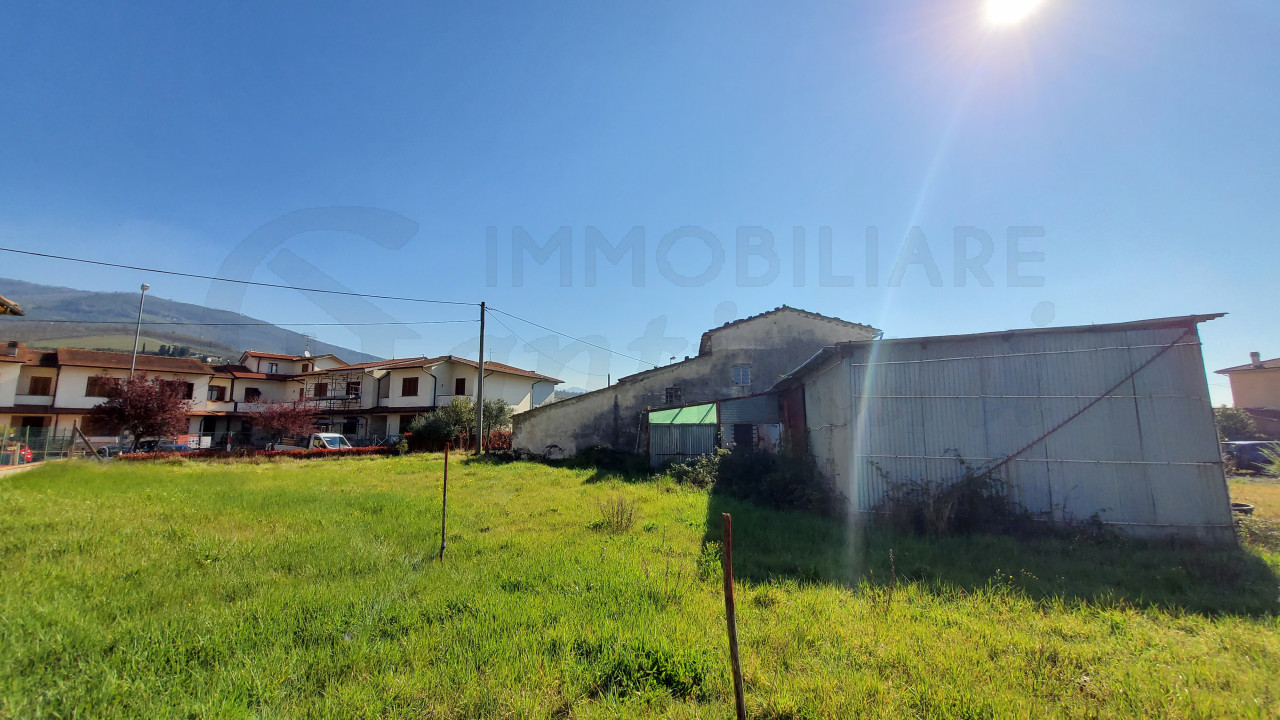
(1255, 388)
(740, 358)
(54, 390)
(1111, 422)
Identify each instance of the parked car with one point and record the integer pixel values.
(16, 454)
(317, 441)
(1249, 455)
(159, 446)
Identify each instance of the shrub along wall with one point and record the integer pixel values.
(300, 454)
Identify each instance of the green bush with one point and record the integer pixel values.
(783, 482)
(1235, 424)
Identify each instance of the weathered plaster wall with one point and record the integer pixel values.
(773, 345)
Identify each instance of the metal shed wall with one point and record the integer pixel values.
(1145, 458)
(676, 443)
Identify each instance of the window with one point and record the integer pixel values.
(217, 393)
(40, 386)
(306, 367)
(353, 389)
(409, 387)
(674, 395)
(460, 386)
(273, 367)
(320, 390)
(186, 390)
(741, 375)
(252, 394)
(100, 386)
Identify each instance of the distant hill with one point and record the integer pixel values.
(120, 310)
(566, 393)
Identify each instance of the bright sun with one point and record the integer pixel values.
(1010, 12)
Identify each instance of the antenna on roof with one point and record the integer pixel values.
(307, 351)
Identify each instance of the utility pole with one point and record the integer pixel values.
(138, 332)
(480, 390)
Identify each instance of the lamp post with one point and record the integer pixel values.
(138, 332)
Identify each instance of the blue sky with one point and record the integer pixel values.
(1138, 137)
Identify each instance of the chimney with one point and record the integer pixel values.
(1255, 359)
(12, 349)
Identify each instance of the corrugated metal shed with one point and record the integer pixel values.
(688, 415)
(1108, 420)
(676, 443)
(755, 410)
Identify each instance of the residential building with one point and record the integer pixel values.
(738, 359)
(381, 398)
(55, 389)
(1255, 388)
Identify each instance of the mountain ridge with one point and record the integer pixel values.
(106, 320)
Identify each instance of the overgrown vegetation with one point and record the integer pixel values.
(975, 499)
(781, 482)
(617, 514)
(1235, 424)
(293, 589)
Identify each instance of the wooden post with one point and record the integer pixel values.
(730, 612)
(93, 450)
(444, 503)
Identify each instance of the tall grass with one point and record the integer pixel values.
(298, 589)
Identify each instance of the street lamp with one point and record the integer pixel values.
(138, 332)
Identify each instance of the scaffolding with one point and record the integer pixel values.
(336, 391)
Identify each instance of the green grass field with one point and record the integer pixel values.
(311, 589)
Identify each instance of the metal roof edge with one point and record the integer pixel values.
(841, 348)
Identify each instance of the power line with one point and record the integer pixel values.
(571, 337)
(229, 280)
(561, 363)
(231, 324)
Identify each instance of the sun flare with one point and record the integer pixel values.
(1010, 12)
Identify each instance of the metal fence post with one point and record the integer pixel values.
(730, 612)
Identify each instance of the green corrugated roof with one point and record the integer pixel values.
(692, 415)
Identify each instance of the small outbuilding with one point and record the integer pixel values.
(1111, 422)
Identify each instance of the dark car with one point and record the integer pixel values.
(1250, 455)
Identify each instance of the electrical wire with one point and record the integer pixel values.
(535, 349)
(232, 324)
(229, 280)
(571, 337)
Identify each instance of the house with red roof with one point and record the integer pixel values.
(55, 389)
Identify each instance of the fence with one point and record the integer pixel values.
(21, 445)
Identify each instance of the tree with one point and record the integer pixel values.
(1235, 424)
(281, 419)
(143, 407)
(457, 420)
(497, 415)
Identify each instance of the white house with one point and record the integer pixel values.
(54, 389)
(381, 398)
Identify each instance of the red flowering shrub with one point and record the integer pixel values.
(499, 441)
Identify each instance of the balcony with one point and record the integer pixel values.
(46, 400)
